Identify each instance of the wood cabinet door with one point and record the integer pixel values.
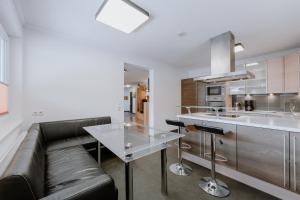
(291, 75)
(275, 75)
(188, 94)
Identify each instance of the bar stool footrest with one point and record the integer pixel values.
(184, 145)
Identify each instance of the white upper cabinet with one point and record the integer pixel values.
(258, 85)
(237, 87)
(275, 75)
(240, 67)
(291, 73)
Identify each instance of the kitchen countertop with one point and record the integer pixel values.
(274, 120)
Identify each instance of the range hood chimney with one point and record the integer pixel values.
(223, 61)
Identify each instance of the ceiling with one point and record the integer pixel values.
(261, 25)
(135, 74)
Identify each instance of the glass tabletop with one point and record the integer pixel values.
(130, 141)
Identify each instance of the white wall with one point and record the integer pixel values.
(10, 124)
(195, 71)
(67, 80)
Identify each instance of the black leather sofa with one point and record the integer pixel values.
(52, 163)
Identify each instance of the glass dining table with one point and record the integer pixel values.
(131, 141)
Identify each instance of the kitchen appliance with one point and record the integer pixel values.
(216, 95)
(249, 105)
(216, 104)
(223, 61)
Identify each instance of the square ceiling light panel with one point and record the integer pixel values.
(122, 15)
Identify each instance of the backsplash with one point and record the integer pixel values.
(273, 102)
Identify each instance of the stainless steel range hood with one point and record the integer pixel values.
(223, 61)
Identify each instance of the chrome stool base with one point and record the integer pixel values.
(214, 187)
(180, 169)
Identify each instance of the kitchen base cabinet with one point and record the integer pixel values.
(225, 144)
(200, 142)
(193, 138)
(264, 154)
(295, 161)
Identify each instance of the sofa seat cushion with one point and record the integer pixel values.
(70, 142)
(68, 167)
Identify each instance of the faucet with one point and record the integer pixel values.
(188, 109)
(216, 111)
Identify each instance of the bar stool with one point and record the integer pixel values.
(179, 168)
(211, 185)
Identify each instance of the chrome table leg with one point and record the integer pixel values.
(99, 154)
(129, 181)
(164, 178)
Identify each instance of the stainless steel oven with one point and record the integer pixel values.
(215, 93)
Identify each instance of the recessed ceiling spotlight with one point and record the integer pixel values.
(239, 47)
(123, 15)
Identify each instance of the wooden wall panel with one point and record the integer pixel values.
(188, 93)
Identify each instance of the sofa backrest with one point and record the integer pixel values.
(69, 128)
(25, 176)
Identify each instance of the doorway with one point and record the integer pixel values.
(136, 94)
(131, 102)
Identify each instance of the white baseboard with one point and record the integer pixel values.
(243, 178)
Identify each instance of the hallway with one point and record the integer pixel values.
(131, 117)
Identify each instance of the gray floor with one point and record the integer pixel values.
(147, 181)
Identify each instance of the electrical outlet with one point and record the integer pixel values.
(41, 113)
(38, 113)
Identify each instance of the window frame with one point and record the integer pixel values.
(4, 63)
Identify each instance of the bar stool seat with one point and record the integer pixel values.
(211, 185)
(179, 168)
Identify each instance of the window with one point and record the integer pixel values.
(3, 99)
(3, 71)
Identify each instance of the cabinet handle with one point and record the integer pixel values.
(294, 164)
(284, 167)
(204, 143)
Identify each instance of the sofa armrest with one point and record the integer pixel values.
(101, 187)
